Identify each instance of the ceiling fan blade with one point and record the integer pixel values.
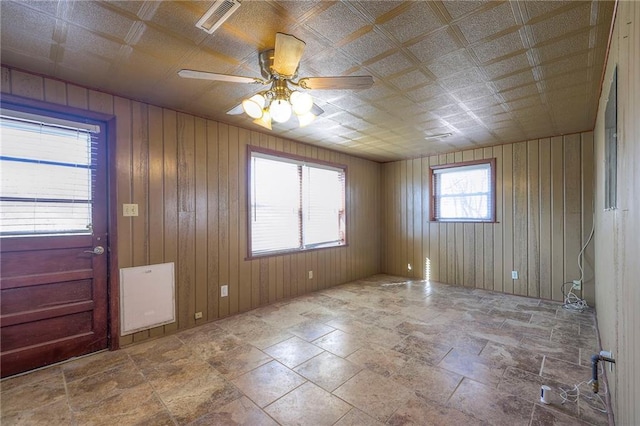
(236, 110)
(287, 54)
(355, 82)
(203, 75)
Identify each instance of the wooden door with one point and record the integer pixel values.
(53, 287)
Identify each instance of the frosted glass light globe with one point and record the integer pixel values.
(253, 106)
(301, 102)
(280, 110)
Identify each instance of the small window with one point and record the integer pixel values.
(463, 192)
(46, 185)
(294, 204)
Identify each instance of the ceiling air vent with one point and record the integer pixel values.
(217, 14)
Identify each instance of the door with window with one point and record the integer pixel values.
(53, 238)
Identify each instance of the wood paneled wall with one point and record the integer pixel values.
(544, 197)
(618, 230)
(188, 176)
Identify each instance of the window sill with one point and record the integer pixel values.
(294, 251)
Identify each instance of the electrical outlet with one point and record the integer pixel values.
(310, 275)
(129, 210)
(198, 315)
(409, 268)
(514, 275)
(577, 285)
(224, 291)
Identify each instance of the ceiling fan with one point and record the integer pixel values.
(279, 68)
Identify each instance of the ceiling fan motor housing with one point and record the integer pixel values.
(266, 66)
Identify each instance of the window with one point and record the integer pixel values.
(294, 204)
(463, 192)
(46, 178)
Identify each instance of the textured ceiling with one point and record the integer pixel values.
(487, 72)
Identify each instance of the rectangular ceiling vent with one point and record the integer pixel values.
(217, 14)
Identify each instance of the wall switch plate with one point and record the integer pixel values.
(198, 315)
(129, 210)
(514, 275)
(310, 275)
(224, 291)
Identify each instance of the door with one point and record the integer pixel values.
(53, 239)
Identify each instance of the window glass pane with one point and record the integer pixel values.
(463, 193)
(43, 218)
(295, 204)
(35, 180)
(275, 215)
(45, 178)
(37, 142)
(323, 205)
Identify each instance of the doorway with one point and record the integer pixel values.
(54, 237)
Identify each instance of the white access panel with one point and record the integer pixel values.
(147, 297)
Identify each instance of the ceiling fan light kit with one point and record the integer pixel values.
(279, 67)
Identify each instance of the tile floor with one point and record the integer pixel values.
(377, 351)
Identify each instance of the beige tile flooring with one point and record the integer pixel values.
(374, 351)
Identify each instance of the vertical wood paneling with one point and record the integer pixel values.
(572, 206)
(544, 158)
(588, 208)
(124, 178)
(244, 285)
(508, 206)
(156, 194)
(533, 216)
(498, 237)
(487, 243)
(77, 97)
(213, 271)
(186, 287)
(520, 218)
(170, 181)
(418, 221)
(234, 213)
(140, 182)
(435, 253)
(201, 221)
(27, 85)
(529, 234)
(223, 215)
(557, 218)
(55, 91)
(156, 186)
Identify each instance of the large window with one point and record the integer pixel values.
(294, 204)
(46, 175)
(463, 192)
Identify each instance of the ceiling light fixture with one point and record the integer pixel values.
(438, 136)
(278, 104)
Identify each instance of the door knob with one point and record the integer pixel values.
(96, 250)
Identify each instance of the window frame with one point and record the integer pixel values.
(18, 109)
(292, 158)
(433, 195)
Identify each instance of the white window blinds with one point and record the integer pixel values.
(295, 205)
(46, 178)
